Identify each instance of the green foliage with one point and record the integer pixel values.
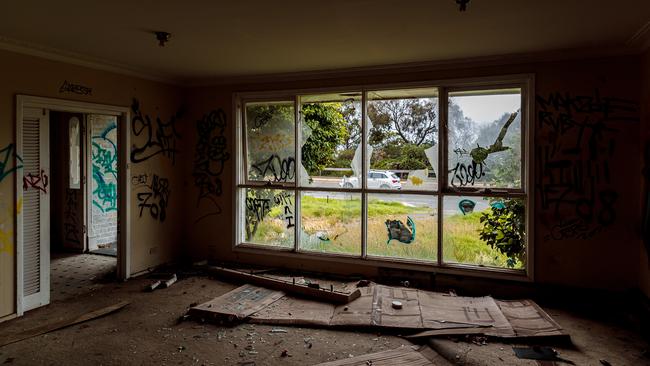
(344, 159)
(504, 228)
(328, 132)
(406, 156)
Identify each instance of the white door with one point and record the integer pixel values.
(34, 238)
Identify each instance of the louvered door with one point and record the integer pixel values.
(35, 208)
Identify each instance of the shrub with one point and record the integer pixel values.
(504, 227)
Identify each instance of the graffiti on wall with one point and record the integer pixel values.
(576, 140)
(9, 161)
(71, 223)
(155, 197)
(104, 160)
(209, 160)
(36, 181)
(69, 87)
(160, 137)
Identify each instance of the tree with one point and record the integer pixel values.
(351, 112)
(407, 121)
(462, 133)
(328, 133)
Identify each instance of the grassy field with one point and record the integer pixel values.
(334, 226)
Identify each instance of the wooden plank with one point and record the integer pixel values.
(403, 356)
(238, 303)
(295, 311)
(287, 286)
(47, 328)
(447, 332)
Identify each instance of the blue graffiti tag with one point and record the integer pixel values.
(104, 157)
(8, 165)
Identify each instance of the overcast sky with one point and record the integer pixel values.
(487, 108)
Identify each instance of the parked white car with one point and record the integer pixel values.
(377, 179)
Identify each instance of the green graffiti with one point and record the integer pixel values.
(7, 164)
(104, 157)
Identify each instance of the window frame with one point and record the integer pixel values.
(525, 82)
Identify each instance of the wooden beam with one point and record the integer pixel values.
(328, 295)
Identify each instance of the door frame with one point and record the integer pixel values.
(124, 189)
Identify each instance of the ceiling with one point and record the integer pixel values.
(224, 39)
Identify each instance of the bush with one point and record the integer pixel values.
(504, 227)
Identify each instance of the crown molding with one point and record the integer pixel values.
(427, 66)
(68, 57)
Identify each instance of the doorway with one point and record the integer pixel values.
(83, 202)
(74, 199)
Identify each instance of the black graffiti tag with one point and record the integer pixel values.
(285, 200)
(160, 136)
(209, 159)
(463, 175)
(259, 206)
(577, 140)
(282, 170)
(156, 198)
(71, 222)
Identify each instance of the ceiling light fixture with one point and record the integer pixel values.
(462, 4)
(163, 38)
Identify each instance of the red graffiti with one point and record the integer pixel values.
(35, 181)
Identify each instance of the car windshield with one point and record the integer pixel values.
(394, 176)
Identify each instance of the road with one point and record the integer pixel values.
(449, 204)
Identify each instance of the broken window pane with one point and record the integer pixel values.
(331, 222)
(487, 231)
(403, 226)
(484, 139)
(270, 136)
(403, 138)
(269, 217)
(331, 133)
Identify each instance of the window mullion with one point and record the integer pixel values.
(296, 197)
(364, 175)
(442, 165)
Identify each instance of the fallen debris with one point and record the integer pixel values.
(172, 280)
(278, 330)
(403, 356)
(47, 328)
(539, 353)
(328, 295)
(153, 286)
(237, 304)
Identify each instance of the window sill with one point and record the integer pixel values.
(399, 263)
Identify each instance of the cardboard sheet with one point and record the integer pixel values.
(238, 303)
(435, 313)
(403, 356)
(529, 320)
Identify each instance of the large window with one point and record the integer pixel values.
(434, 175)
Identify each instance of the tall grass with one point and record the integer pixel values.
(334, 226)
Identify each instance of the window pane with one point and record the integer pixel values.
(484, 231)
(331, 132)
(269, 217)
(331, 222)
(270, 136)
(485, 139)
(403, 226)
(403, 138)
